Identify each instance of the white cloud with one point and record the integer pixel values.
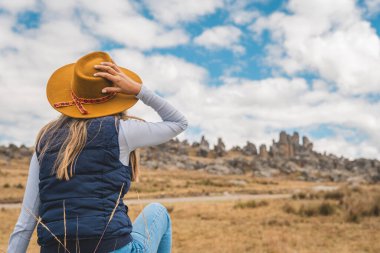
(242, 17)
(373, 6)
(335, 145)
(165, 73)
(241, 110)
(238, 12)
(173, 11)
(119, 21)
(219, 37)
(16, 6)
(327, 37)
(28, 59)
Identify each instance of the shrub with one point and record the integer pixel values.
(306, 195)
(300, 195)
(307, 210)
(287, 208)
(19, 186)
(250, 204)
(324, 209)
(335, 195)
(209, 182)
(276, 222)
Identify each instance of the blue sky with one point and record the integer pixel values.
(240, 70)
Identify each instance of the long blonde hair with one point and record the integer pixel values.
(75, 142)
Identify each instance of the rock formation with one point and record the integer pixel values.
(263, 151)
(204, 147)
(287, 146)
(249, 149)
(285, 157)
(219, 148)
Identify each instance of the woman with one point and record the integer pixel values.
(85, 160)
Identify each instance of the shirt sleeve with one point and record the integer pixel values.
(139, 133)
(26, 223)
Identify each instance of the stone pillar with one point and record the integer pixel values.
(250, 149)
(220, 148)
(263, 151)
(204, 148)
(306, 144)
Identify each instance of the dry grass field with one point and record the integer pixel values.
(162, 183)
(345, 220)
(231, 227)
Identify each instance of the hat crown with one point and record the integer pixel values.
(84, 84)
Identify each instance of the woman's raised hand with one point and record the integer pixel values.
(122, 82)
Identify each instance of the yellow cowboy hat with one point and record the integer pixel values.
(73, 90)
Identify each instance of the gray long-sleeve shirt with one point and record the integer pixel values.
(132, 134)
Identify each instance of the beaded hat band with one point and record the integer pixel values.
(78, 102)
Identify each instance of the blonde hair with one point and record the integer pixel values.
(75, 142)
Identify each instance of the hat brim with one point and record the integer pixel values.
(58, 89)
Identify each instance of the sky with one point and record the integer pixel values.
(240, 70)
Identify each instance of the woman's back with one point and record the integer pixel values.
(80, 207)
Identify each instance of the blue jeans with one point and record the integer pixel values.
(151, 232)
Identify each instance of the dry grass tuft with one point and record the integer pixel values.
(170, 209)
(354, 202)
(145, 221)
(334, 195)
(360, 204)
(311, 195)
(109, 220)
(324, 209)
(43, 225)
(64, 222)
(77, 248)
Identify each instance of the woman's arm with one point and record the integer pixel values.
(19, 239)
(139, 133)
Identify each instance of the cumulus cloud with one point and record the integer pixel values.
(238, 12)
(272, 104)
(373, 6)
(335, 145)
(171, 12)
(329, 38)
(15, 6)
(219, 37)
(121, 22)
(165, 73)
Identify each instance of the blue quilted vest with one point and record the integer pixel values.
(89, 197)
